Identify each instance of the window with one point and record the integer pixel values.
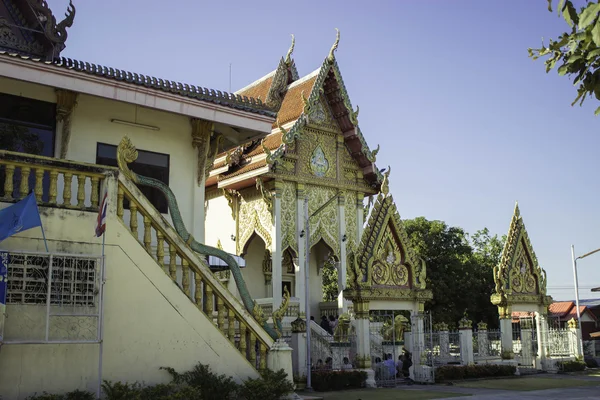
(27, 126)
(74, 280)
(148, 163)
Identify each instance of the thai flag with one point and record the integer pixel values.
(101, 220)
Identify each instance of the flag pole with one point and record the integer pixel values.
(101, 318)
(44, 236)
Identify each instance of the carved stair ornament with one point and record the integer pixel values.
(66, 101)
(280, 312)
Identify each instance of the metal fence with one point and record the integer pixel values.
(329, 354)
(53, 298)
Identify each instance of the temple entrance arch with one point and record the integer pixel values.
(520, 295)
(323, 279)
(386, 274)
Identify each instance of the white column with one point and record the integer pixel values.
(359, 216)
(342, 304)
(363, 340)
(300, 278)
(418, 371)
(466, 345)
(505, 314)
(541, 322)
(277, 274)
(198, 217)
(299, 347)
(574, 342)
(280, 357)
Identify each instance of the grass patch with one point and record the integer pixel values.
(387, 394)
(526, 384)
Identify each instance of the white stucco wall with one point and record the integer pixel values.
(220, 225)
(148, 322)
(253, 273)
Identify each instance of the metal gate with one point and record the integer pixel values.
(385, 347)
(525, 344)
(422, 348)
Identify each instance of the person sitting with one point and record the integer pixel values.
(319, 365)
(346, 364)
(329, 363)
(399, 367)
(390, 366)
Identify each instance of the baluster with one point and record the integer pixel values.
(231, 326)
(53, 192)
(198, 293)
(68, 176)
(120, 196)
(185, 277)
(133, 222)
(160, 250)
(221, 314)
(147, 235)
(8, 181)
(80, 190)
(243, 340)
(172, 262)
(208, 307)
(252, 349)
(39, 188)
(263, 357)
(24, 189)
(95, 187)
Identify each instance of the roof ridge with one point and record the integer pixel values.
(198, 92)
(256, 82)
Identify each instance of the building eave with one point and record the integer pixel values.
(49, 74)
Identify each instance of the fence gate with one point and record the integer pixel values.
(422, 347)
(525, 344)
(385, 348)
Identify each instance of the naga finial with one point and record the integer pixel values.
(331, 57)
(288, 57)
(279, 314)
(385, 185)
(126, 154)
(267, 152)
(374, 153)
(354, 116)
(258, 314)
(266, 195)
(306, 109)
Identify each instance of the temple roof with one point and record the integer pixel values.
(231, 100)
(299, 99)
(29, 27)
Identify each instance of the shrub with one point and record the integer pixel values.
(324, 381)
(74, 395)
(121, 391)
(210, 385)
(270, 386)
(571, 366)
(456, 373)
(591, 363)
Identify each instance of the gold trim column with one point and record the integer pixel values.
(360, 210)
(66, 101)
(277, 272)
(342, 303)
(300, 271)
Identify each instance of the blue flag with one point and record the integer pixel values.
(3, 277)
(19, 217)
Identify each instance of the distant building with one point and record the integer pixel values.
(562, 311)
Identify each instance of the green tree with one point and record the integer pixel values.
(458, 273)
(330, 280)
(577, 51)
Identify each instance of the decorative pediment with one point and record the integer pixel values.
(518, 277)
(385, 265)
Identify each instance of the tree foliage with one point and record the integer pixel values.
(459, 269)
(330, 280)
(578, 51)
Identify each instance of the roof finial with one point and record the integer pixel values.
(306, 103)
(288, 57)
(331, 57)
(517, 213)
(385, 184)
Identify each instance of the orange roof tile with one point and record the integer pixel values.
(560, 308)
(292, 105)
(272, 142)
(246, 168)
(582, 309)
(260, 90)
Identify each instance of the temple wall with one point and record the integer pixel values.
(219, 224)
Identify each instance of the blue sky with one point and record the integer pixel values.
(467, 121)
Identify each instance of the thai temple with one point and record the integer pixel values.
(222, 212)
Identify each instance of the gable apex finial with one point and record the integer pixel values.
(517, 212)
(288, 57)
(331, 57)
